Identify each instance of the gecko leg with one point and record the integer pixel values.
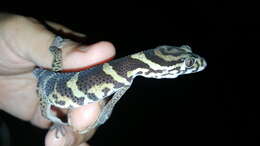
(56, 51)
(107, 110)
(47, 113)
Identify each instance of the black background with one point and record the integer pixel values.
(205, 108)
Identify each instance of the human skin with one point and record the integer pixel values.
(24, 44)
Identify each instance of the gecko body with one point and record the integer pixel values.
(75, 89)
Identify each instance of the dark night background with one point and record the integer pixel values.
(205, 108)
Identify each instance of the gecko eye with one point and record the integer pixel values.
(189, 62)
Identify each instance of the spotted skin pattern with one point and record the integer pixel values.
(75, 89)
(55, 50)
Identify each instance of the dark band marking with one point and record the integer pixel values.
(126, 64)
(66, 91)
(60, 102)
(156, 59)
(106, 90)
(92, 77)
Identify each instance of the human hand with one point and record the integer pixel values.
(24, 44)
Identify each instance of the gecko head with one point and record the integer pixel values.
(176, 61)
(192, 63)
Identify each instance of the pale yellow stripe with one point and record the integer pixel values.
(134, 72)
(75, 91)
(72, 84)
(97, 89)
(68, 101)
(108, 69)
(167, 58)
(140, 56)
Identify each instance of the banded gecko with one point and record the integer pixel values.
(74, 89)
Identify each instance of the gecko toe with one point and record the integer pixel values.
(59, 130)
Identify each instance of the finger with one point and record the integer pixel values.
(64, 29)
(75, 55)
(83, 117)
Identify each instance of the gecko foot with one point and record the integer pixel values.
(59, 130)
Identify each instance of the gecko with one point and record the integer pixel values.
(68, 90)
